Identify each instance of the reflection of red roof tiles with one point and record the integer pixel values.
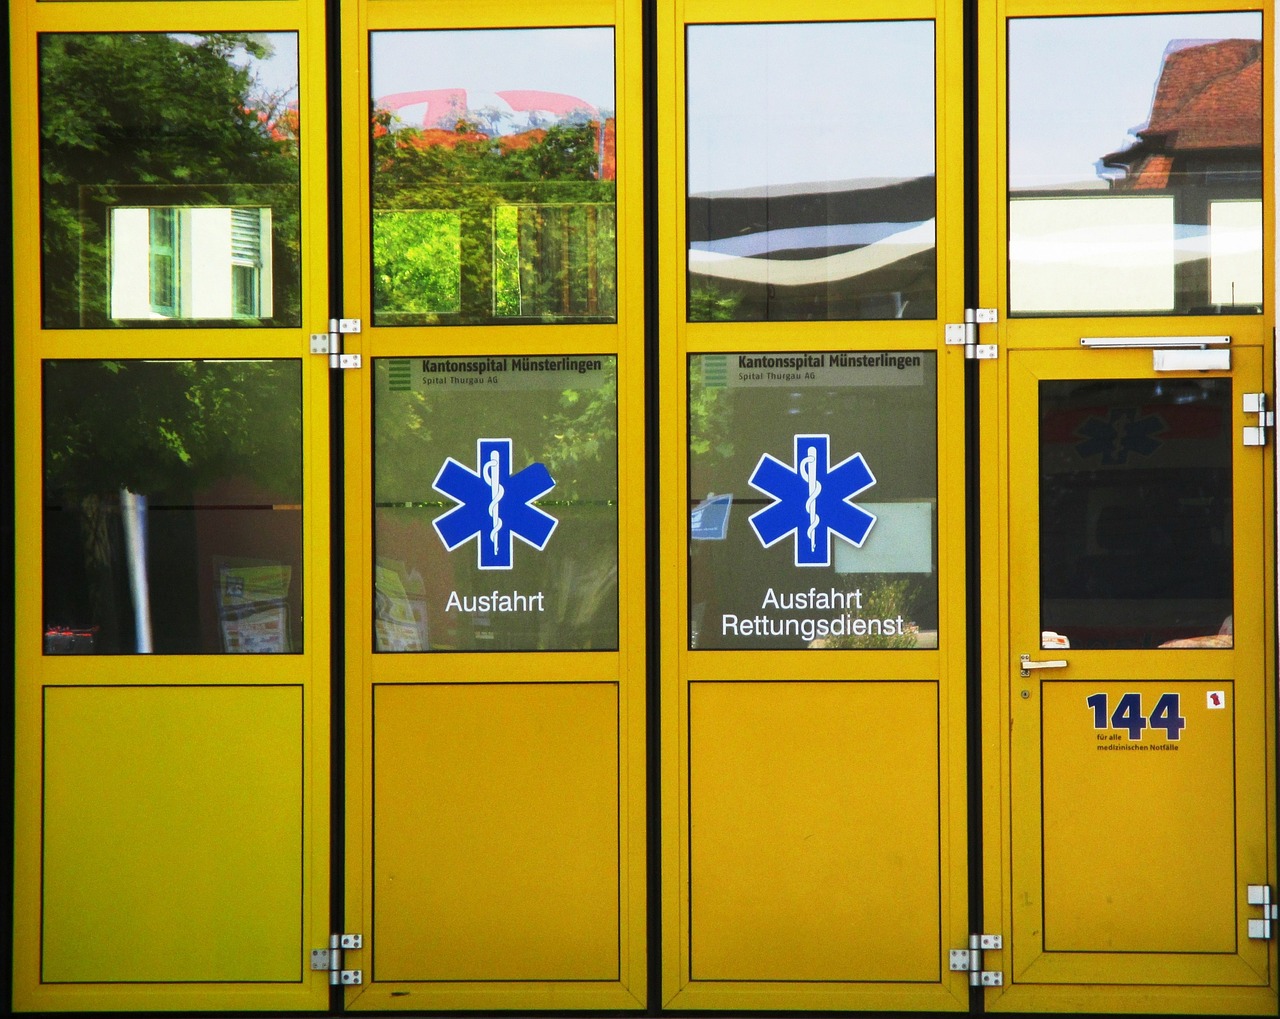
(1155, 174)
(1210, 97)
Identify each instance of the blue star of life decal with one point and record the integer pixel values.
(1125, 430)
(811, 500)
(494, 504)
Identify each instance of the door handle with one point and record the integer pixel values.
(1028, 664)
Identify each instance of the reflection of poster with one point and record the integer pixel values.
(253, 607)
(400, 608)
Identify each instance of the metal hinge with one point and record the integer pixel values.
(1256, 403)
(1260, 895)
(969, 960)
(331, 343)
(966, 332)
(331, 959)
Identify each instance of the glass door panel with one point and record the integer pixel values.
(172, 661)
(494, 512)
(813, 691)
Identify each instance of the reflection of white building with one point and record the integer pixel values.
(199, 263)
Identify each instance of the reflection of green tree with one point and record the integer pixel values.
(526, 221)
(173, 121)
(170, 428)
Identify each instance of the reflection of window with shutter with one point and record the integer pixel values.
(246, 263)
(163, 255)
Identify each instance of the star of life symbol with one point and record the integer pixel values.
(494, 504)
(812, 500)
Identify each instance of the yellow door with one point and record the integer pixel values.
(812, 573)
(172, 634)
(1127, 515)
(1139, 740)
(495, 525)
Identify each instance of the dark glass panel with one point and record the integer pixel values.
(172, 506)
(1135, 513)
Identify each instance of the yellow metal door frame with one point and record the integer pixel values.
(1030, 349)
(722, 700)
(536, 687)
(123, 735)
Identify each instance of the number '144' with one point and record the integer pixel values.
(1129, 717)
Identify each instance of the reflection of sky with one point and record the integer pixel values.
(572, 61)
(277, 74)
(1079, 86)
(771, 105)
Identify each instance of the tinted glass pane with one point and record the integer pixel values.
(811, 189)
(496, 503)
(1135, 513)
(172, 506)
(1135, 165)
(169, 179)
(813, 513)
(493, 176)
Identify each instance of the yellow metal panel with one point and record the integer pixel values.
(495, 832)
(1111, 802)
(815, 831)
(173, 845)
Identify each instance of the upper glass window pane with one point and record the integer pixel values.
(1135, 165)
(811, 190)
(494, 176)
(172, 507)
(813, 487)
(1135, 513)
(170, 179)
(495, 512)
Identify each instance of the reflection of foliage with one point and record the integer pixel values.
(178, 123)
(883, 598)
(415, 257)
(526, 220)
(709, 416)
(709, 304)
(585, 430)
(169, 428)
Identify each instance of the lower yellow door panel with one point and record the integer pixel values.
(495, 833)
(815, 850)
(171, 861)
(814, 834)
(501, 864)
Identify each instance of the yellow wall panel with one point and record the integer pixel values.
(814, 831)
(495, 832)
(173, 834)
